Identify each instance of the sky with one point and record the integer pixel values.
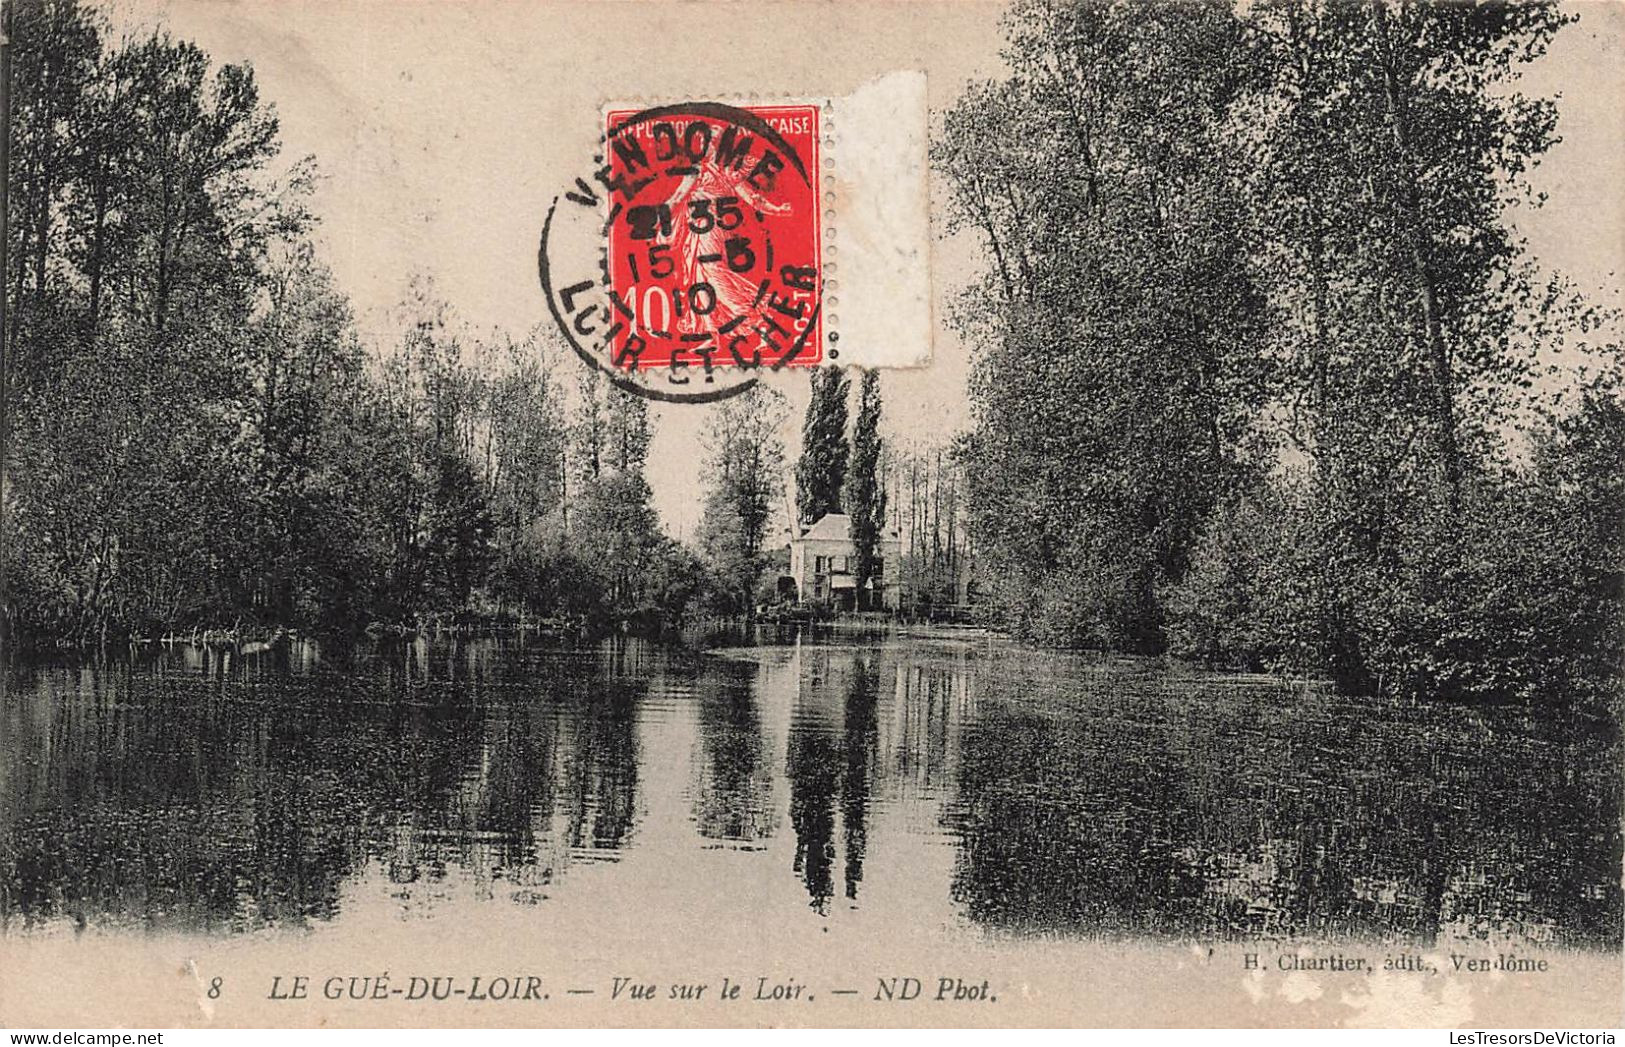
(443, 130)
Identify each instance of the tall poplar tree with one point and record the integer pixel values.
(821, 470)
(865, 496)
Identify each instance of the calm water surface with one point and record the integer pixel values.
(943, 786)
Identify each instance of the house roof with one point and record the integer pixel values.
(835, 527)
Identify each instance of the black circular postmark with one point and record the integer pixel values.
(691, 259)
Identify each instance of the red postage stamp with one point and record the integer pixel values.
(697, 255)
(714, 237)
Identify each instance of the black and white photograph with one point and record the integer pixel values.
(898, 513)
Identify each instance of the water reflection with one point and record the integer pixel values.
(813, 768)
(1191, 806)
(153, 797)
(733, 794)
(859, 737)
(215, 791)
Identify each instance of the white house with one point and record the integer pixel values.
(822, 562)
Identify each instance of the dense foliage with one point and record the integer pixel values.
(199, 437)
(1264, 375)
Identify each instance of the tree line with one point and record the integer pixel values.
(201, 438)
(1264, 375)
(932, 498)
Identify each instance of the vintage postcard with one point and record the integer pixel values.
(908, 514)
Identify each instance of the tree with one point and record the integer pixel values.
(821, 470)
(142, 212)
(865, 496)
(636, 527)
(1387, 144)
(929, 487)
(525, 448)
(614, 524)
(744, 454)
(1117, 371)
(307, 384)
(457, 547)
(1255, 332)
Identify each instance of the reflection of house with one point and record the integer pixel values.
(822, 562)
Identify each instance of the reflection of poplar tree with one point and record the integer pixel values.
(604, 763)
(861, 732)
(813, 765)
(813, 770)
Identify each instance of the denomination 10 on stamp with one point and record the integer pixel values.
(715, 255)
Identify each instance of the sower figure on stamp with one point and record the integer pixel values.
(708, 248)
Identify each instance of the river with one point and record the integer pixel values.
(933, 790)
